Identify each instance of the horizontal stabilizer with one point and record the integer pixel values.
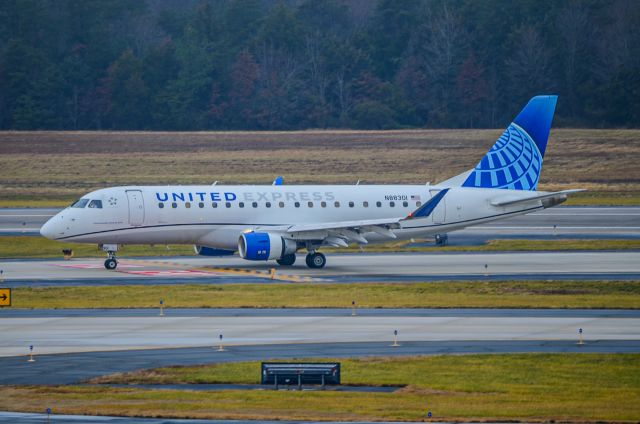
(559, 196)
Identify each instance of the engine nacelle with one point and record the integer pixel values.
(264, 246)
(210, 251)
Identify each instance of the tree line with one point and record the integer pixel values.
(297, 64)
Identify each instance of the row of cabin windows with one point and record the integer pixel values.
(187, 205)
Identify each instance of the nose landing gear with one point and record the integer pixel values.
(112, 262)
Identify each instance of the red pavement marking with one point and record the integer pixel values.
(92, 266)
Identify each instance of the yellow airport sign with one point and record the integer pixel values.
(5, 297)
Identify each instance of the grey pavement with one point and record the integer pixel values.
(563, 221)
(340, 268)
(50, 335)
(76, 368)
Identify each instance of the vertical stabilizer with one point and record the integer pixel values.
(515, 160)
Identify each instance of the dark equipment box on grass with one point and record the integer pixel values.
(286, 373)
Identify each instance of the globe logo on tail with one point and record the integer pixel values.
(514, 162)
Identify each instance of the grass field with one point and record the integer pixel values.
(39, 247)
(445, 294)
(487, 388)
(58, 166)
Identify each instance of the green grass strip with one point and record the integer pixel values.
(469, 294)
(510, 387)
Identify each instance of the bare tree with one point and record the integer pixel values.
(528, 68)
(573, 25)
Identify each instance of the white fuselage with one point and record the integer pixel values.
(215, 216)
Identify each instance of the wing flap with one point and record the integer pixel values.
(385, 222)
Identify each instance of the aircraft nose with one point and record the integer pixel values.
(49, 229)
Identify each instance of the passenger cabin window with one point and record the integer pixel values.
(336, 204)
(365, 204)
(214, 205)
(80, 203)
(241, 204)
(378, 204)
(351, 204)
(201, 205)
(187, 205)
(323, 204)
(95, 204)
(254, 204)
(268, 204)
(405, 204)
(174, 205)
(310, 204)
(297, 204)
(228, 204)
(161, 205)
(418, 203)
(281, 204)
(392, 204)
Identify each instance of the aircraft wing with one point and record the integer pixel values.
(510, 200)
(340, 233)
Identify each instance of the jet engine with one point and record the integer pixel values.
(265, 246)
(210, 251)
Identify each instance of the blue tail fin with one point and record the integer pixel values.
(515, 161)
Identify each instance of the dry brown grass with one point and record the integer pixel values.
(58, 164)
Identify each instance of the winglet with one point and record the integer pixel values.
(426, 209)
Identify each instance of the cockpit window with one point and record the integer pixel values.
(80, 203)
(96, 204)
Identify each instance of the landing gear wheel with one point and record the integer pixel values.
(110, 263)
(287, 260)
(316, 260)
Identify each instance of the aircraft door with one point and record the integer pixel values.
(136, 207)
(439, 213)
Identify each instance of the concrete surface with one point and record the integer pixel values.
(80, 334)
(569, 220)
(340, 268)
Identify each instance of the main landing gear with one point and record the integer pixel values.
(287, 260)
(112, 262)
(316, 260)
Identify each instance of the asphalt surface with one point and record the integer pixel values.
(341, 268)
(563, 221)
(51, 335)
(76, 368)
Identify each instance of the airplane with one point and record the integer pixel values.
(273, 222)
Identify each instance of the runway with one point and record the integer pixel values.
(341, 268)
(563, 221)
(66, 334)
